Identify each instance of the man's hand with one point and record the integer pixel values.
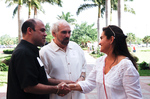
(63, 89)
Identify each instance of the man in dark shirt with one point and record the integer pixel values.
(26, 76)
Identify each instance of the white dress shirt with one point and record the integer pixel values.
(64, 65)
(122, 81)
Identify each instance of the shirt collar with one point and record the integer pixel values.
(56, 47)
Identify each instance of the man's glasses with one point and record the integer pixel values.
(112, 31)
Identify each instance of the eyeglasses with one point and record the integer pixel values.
(112, 31)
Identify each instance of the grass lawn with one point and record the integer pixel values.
(142, 55)
(3, 74)
(3, 78)
(144, 72)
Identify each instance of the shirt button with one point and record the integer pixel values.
(69, 72)
(68, 63)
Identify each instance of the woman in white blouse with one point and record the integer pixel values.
(115, 74)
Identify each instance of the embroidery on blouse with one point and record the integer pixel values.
(114, 77)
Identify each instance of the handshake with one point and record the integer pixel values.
(64, 88)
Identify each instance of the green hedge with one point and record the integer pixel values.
(136, 58)
(3, 67)
(7, 60)
(8, 51)
(144, 66)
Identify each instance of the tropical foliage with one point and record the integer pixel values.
(101, 4)
(101, 9)
(130, 38)
(7, 40)
(84, 33)
(32, 4)
(49, 36)
(127, 8)
(146, 40)
(36, 4)
(67, 17)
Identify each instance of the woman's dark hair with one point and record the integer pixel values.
(29, 23)
(120, 45)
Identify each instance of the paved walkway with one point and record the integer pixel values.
(144, 81)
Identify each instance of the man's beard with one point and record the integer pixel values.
(64, 42)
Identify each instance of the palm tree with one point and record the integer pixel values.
(33, 4)
(121, 7)
(17, 8)
(30, 3)
(96, 3)
(67, 17)
(101, 9)
(130, 38)
(146, 40)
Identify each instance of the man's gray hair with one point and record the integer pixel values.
(55, 26)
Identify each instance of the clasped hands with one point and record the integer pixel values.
(64, 88)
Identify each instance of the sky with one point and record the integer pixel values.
(137, 24)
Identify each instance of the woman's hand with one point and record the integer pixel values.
(75, 87)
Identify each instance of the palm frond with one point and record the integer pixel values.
(15, 11)
(36, 4)
(85, 6)
(102, 12)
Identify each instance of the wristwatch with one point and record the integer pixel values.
(82, 76)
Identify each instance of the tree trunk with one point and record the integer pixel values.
(19, 20)
(35, 12)
(120, 12)
(29, 14)
(98, 23)
(107, 11)
(146, 44)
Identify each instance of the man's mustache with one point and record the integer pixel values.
(67, 38)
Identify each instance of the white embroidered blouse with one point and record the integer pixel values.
(122, 81)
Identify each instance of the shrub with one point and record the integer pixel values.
(96, 54)
(93, 52)
(7, 60)
(8, 51)
(3, 67)
(143, 66)
(136, 58)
